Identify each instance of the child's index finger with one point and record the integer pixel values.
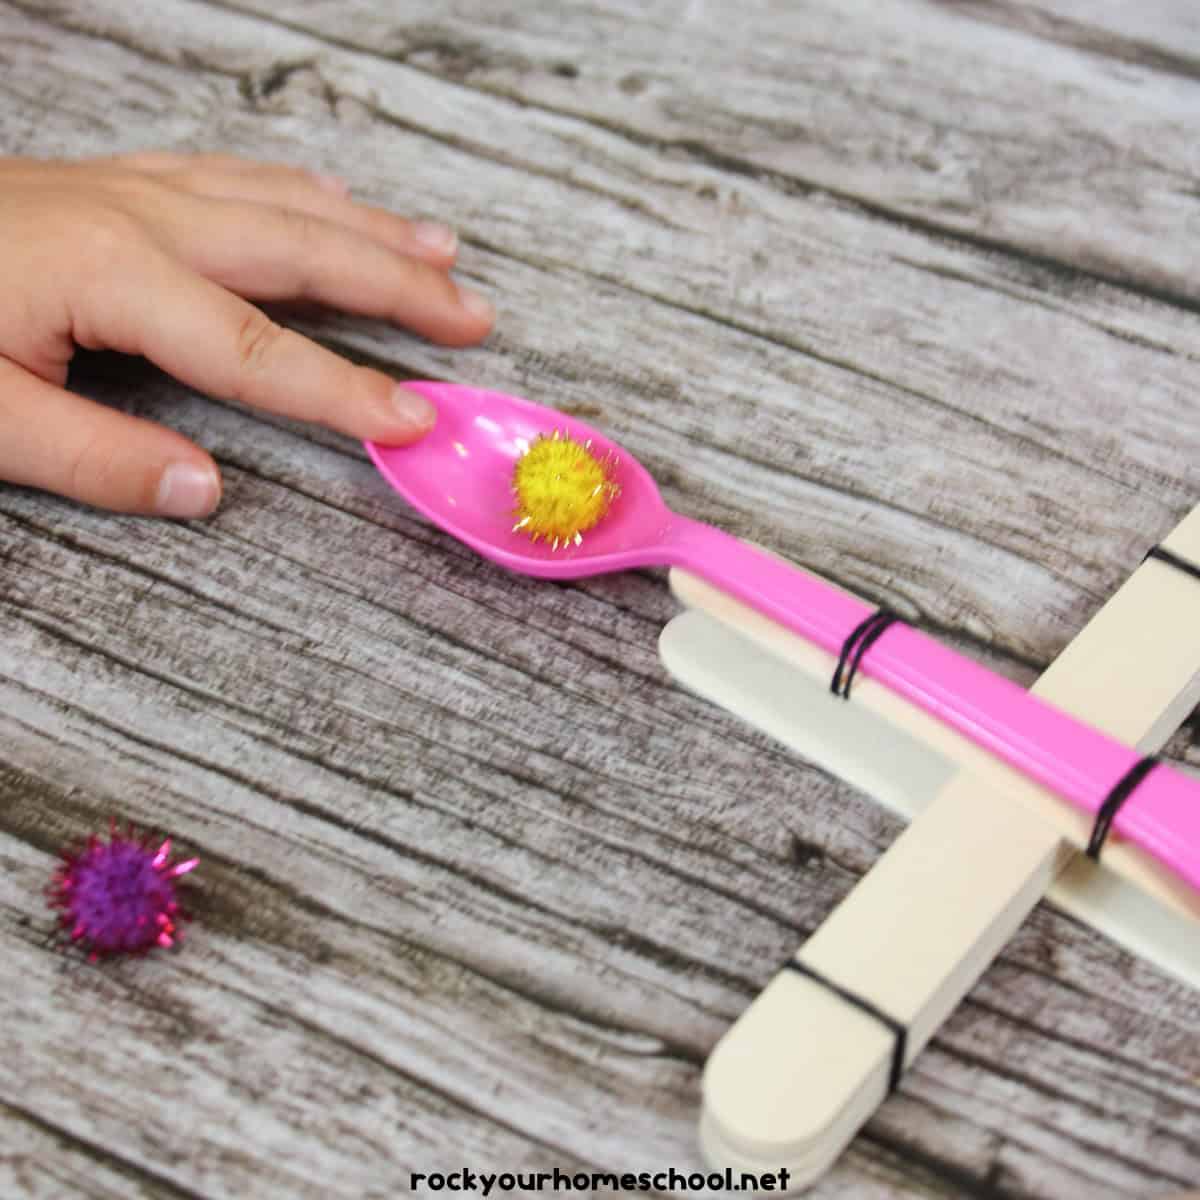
(221, 344)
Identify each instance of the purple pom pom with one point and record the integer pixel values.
(118, 897)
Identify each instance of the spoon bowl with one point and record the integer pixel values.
(460, 476)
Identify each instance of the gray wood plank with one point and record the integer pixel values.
(987, 129)
(1161, 34)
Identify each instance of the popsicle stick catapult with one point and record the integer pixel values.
(831, 1035)
(467, 472)
(812, 1057)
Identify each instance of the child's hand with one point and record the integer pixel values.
(150, 254)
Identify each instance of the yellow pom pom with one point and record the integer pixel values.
(562, 489)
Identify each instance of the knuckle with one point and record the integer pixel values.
(190, 178)
(105, 238)
(88, 466)
(100, 470)
(131, 192)
(302, 228)
(257, 338)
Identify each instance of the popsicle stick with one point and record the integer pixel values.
(804, 1067)
(802, 1070)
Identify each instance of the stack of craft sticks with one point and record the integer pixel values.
(807, 1064)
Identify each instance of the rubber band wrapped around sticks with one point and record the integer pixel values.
(897, 1029)
(1120, 792)
(1128, 783)
(868, 631)
(860, 639)
(1162, 554)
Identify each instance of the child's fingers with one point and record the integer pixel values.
(161, 161)
(63, 443)
(209, 338)
(302, 192)
(223, 176)
(274, 254)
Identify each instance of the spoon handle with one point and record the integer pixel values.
(1075, 761)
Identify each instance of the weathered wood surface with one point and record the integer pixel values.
(907, 290)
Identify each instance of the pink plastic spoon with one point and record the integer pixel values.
(460, 477)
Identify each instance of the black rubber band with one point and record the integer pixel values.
(896, 1028)
(878, 629)
(847, 646)
(1173, 559)
(1121, 791)
(861, 638)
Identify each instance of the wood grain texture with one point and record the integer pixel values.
(990, 131)
(907, 291)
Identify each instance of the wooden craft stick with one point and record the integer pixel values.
(803, 1069)
(810, 1060)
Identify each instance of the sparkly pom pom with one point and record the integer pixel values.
(118, 896)
(563, 489)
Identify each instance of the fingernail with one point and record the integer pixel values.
(477, 305)
(332, 183)
(434, 236)
(187, 490)
(413, 408)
